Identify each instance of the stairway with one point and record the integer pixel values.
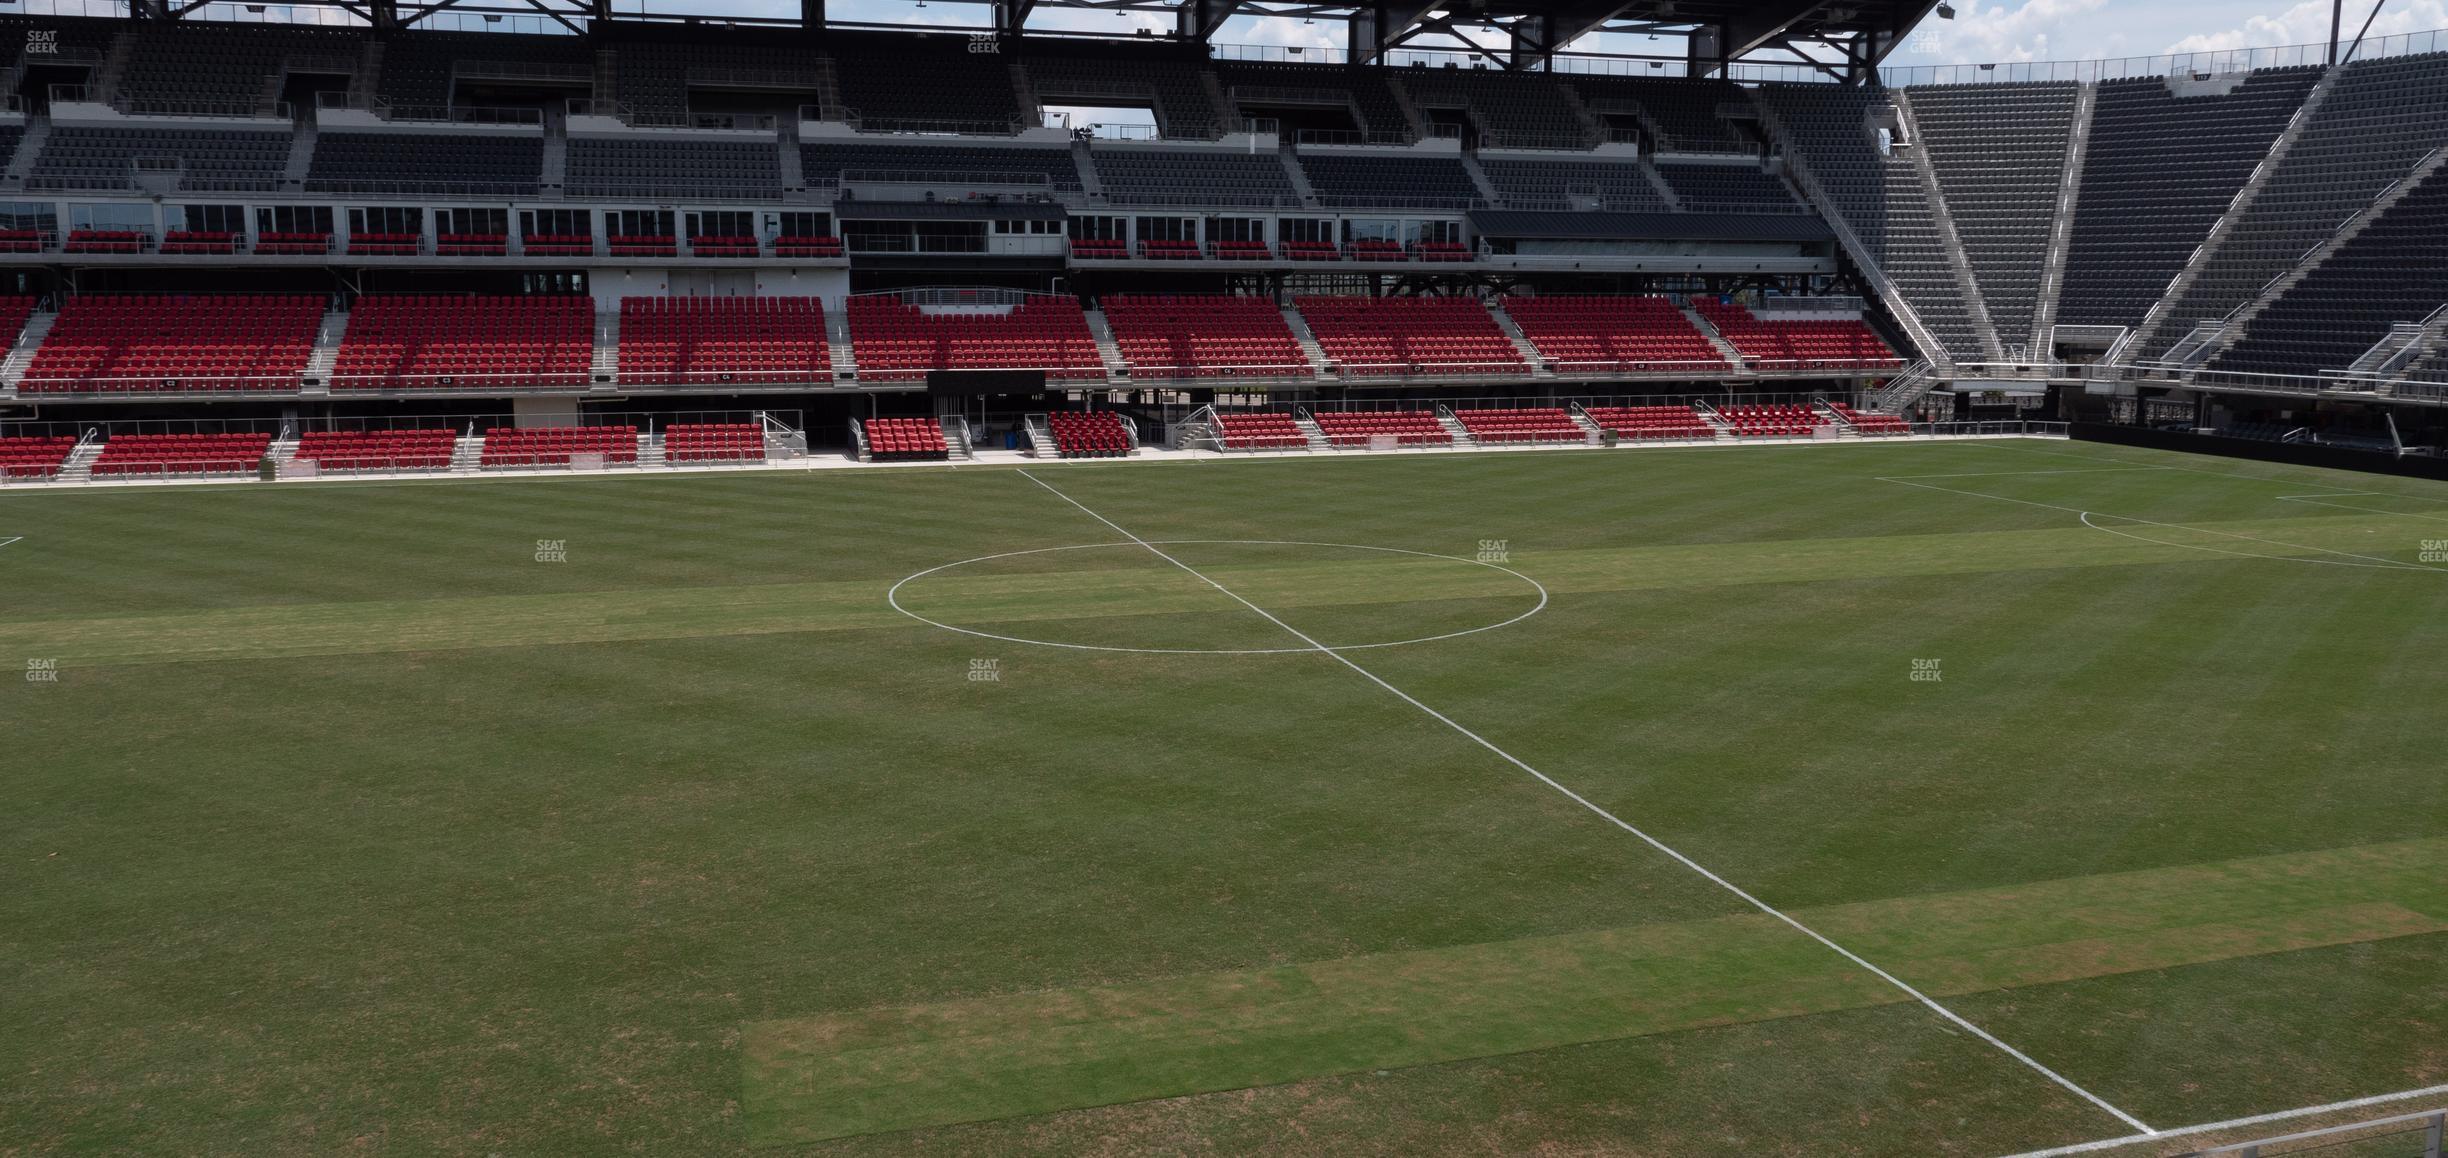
(794, 172)
(1479, 180)
(1657, 181)
(467, 454)
(1318, 361)
(114, 68)
(1032, 114)
(29, 146)
(956, 437)
(79, 465)
(1309, 429)
(1521, 342)
(1453, 426)
(29, 340)
(1716, 421)
(555, 170)
(282, 452)
(650, 450)
(604, 370)
(1835, 418)
(1957, 260)
(1293, 172)
(1906, 388)
(301, 156)
(1587, 424)
(1107, 350)
(368, 78)
(1083, 159)
(2061, 235)
(837, 343)
(2145, 335)
(326, 349)
(1708, 329)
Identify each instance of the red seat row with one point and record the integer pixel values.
(420, 448)
(1393, 336)
(1094, 434)
(472, 244)
(905, 439)
(1776, 421)
(466, 342)
(1361, 427)
(895, 340)
(1534, 424)
(1650, 422)
(1263, 431)
(797, 245)
(35, 457)
(105, 241)
(1871, 422)
(713, 341)
(1611, 334)
(645, 245)
(714, 442)
(175, 454)
(1203, 336)
(149, 343)
(1832, 344)
(553, 445)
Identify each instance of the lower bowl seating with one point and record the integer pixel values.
(1094, 434)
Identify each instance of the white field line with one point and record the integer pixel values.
(2085, 517)
(1995, 473)
(2235, 1123)
(1611, 818)
(17, 539)
(2315, 500)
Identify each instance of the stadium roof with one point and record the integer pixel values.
(1844, 40)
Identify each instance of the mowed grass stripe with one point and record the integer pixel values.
(897, 1068)
(1097, 590)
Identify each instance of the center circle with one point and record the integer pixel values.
(1128, 579)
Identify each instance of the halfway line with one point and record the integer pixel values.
(1610, 817)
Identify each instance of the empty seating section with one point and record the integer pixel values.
(1830, 128)
(1729, 189)
(902, 84)
(607, 167)
(1550, 183)
(1999, 151)
(653, 67)
(206, 160)
(466, 342)
(1390, 336)
(2378, 119)
(1642, 423)
(530, 446)
(2395, 270)
(1870, 422)
(1093, 434)
(1777, 421)
(1360, 428)
(420, 71)
(470, 164)
(1514, 110)
(714, 442)
(1613, 334)
(427, 448)
(144, 343)
(1359, 94)
(177, 454)
(1170, 87)
(1537, 424)
(23, 457)
(1684, 112)
(2158, 171)
(1261, 431)
(823, 164)
(1194, 177)
(222, 69)
(906, 440)
(14, 310)
(710, 341)
(895, 340)
(1799, 343)
(1365, 180)
(1203, 336)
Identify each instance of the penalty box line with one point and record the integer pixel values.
(1653, 842)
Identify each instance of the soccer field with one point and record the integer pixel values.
(1889, 799)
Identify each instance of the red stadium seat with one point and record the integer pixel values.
(716, 341)
(894, 340)
(1203, 336)
(1399, 336)
(1613, 335)
(157, 343)
(467, 342)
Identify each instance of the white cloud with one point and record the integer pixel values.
(2004, 32)
(2308, 23)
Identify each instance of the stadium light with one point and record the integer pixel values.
(1946, 12)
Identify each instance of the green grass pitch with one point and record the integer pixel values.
(631, 816)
